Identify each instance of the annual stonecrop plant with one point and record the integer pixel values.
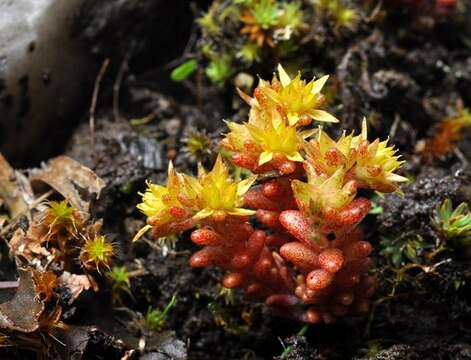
(305, 255)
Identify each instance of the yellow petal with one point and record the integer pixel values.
(321, 115)
(249, 100)
(319, 84)
(396, 178)
(242, 212)
(295, 157)
(265, 157)
(292, 119)
(203, 214)
(219, 170)
(307, 133)
(284, 78)
(244, 185)
(141, 232)
(301, 193)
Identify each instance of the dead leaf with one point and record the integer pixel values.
(11, 183)
(77, 283)
(45, 283)
(22, 312)
(69, 178)
(28, 247)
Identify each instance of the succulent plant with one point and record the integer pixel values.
(306, 258)
(453, 223)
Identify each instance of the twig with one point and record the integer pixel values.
(96, 89)
(30, 207)
(393, 129)
(117, 87)
(9, 284)
(186, 52)
(375, 12)
(461, 157)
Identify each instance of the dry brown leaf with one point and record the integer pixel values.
(27, 247)
(12, 189)
(77, 283)
(22, 312)
(69, 178)
(45, 283)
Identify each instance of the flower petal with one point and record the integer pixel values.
(141, 232)
(244, 185)
(242, 212)
(203, 214)
(295, 157)
(265, 157)
(321, 115)
(396, 178)
(284, 78)
(319, 84)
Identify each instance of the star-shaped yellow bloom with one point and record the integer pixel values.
(323, 192)
(371, 164)
(187, 197)
(216, 193)
(376, 163)
(300, 101)
(158, 200)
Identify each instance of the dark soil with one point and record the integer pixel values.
(409, 77)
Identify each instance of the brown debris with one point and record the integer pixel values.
(10, 189)
(68, 177)
(23, 311)
(77, 283)
(27, 247)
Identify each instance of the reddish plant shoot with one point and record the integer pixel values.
(306, 258)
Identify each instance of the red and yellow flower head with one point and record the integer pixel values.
(186, 200)
(371, 164)
(271, 135)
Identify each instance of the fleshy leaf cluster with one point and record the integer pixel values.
(305, 255)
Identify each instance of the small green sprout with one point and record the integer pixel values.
(453, 224)
(119, 275)
(208, 23)
(403, 250)
(61, 219)
(265, 13)
(249, 53)
(292, 16)
(227, 295)
(219, 69)
(97, 253)
(61, 213)
(341, 15)
(155, 318)
(225, 320)
(376, 209)
(198, 146)
(183, 71)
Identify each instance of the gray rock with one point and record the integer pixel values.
(50, 52)
(41, 75)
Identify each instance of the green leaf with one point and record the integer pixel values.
(183, 71)
(397, 259)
